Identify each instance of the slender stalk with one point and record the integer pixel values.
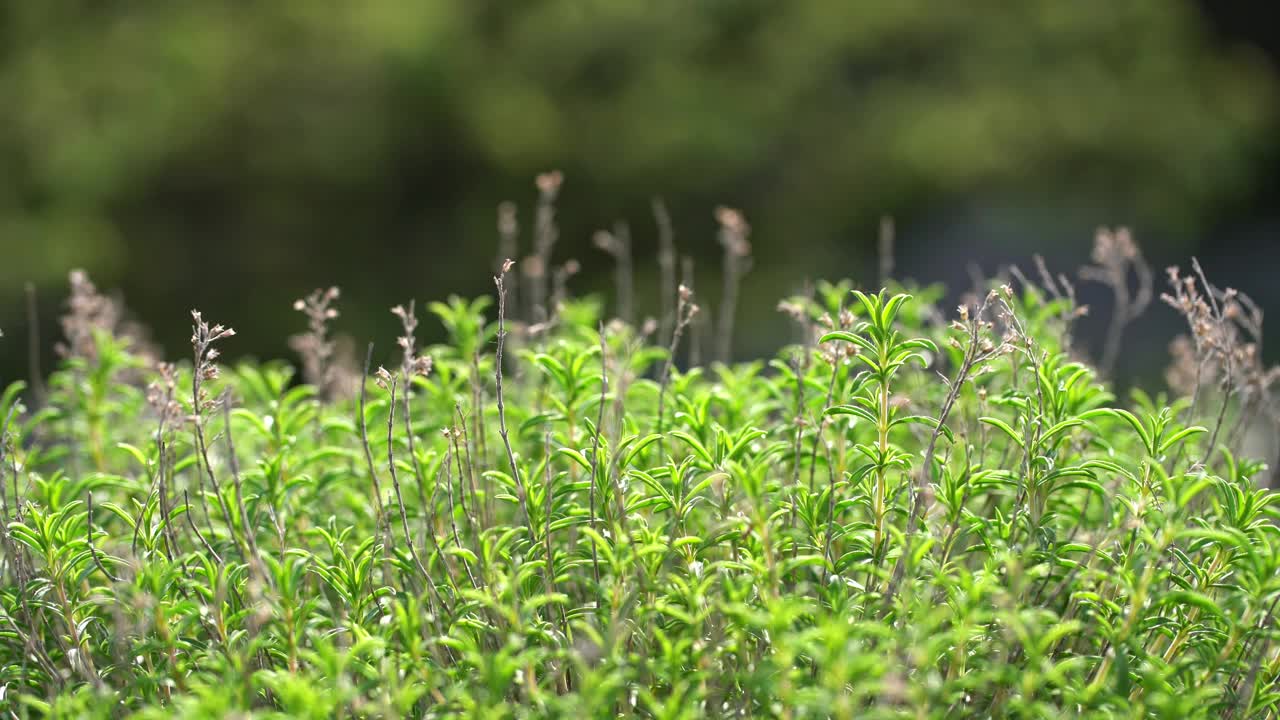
(974, 354)
(245, 528)
(88, 536)
(695, 337)
(379, 516)
(395, 484)
(595, 451)
(686, 310)
(886, 250)
(501, 399)
(453, 509)
(205, 543)
(479, 431)
(798, 435)
(471, 466)
(666, 270)
(548, 569)
(202, 338)
(737, 253)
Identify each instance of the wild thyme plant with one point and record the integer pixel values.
(900, 516)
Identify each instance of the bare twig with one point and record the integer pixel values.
(202, 338)
(88, 536)
(977, 351)
(186, 498)
(379, 516)
(737, 261)
(234, 465)
(395, 483)
(595, 450)
(499, 281)
(546, 233)
(1115, 256)
(686, 310)
(471, 468)
(886, 250)
(666, 270)
(618, 245)
(315, 346)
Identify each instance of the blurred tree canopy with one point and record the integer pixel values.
(234, 155)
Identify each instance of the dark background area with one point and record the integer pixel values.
(232, 156)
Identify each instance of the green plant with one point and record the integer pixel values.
(895, 518)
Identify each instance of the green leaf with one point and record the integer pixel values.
(1200, 601)
(697, 447)
(1178, 436)
(1003, 427)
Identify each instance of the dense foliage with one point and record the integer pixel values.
(899, 516)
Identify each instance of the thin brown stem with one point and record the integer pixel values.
(501, 399)
(666, 270)
(595, 451)
(379, 517)
(395, 484)
(88, 536)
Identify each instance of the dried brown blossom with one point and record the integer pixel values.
(1222, 348)
(161, 394)
(203, 336)
(412, 364)
(89, 312)
(314, 346)
(1115, 258)
(548, 184)
(733, 235)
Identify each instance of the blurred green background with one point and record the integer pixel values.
(231, 155)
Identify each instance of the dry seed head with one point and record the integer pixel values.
(507, 218)
(421, 366)
(549, 183)
(407, 319)
(733, 232)
(315, 347)
(533, 267)
(731, 219)
(793, 310)
(607, 241)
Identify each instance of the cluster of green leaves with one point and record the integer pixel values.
(838, 533)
